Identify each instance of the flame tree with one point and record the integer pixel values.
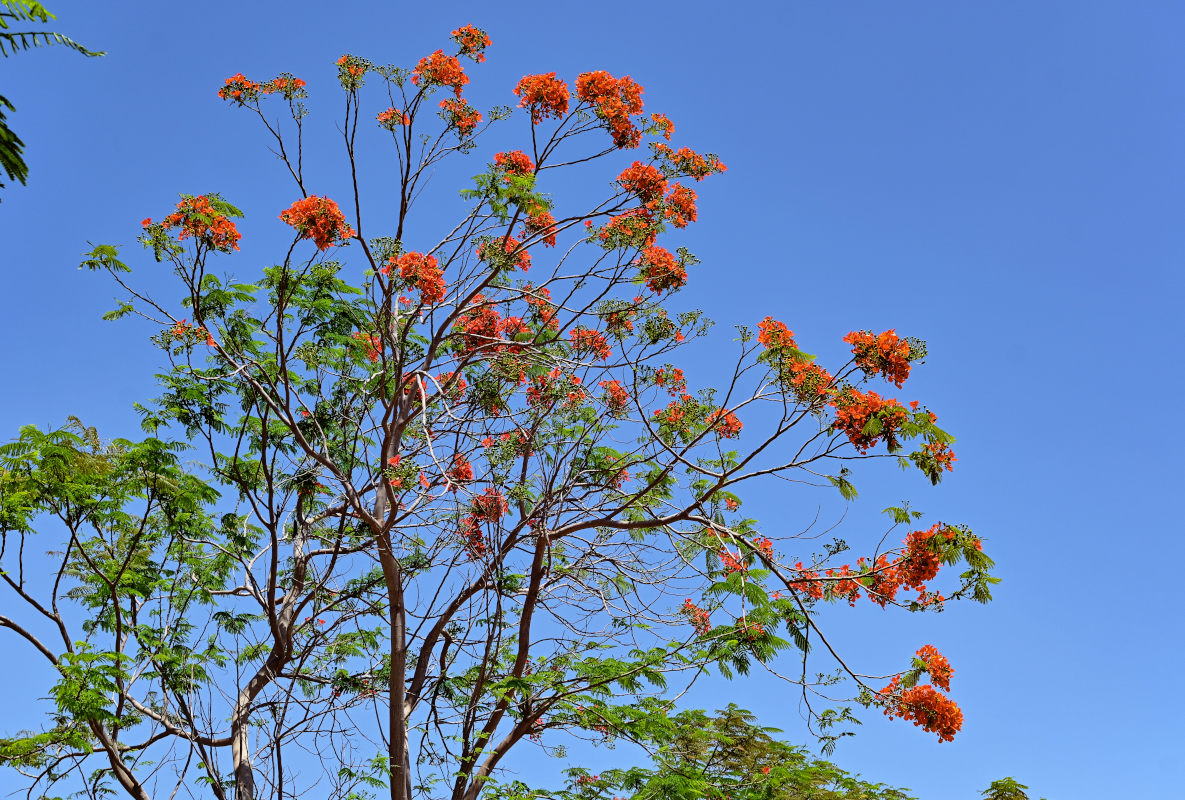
(457, 496)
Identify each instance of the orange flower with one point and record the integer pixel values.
(319, 219)
(545, 95)
(440, 70)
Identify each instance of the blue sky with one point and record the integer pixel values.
(1003, 180)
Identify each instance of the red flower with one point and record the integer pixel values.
(515, 254)
(240, 89)
(490, 505)
(644, 180)
(616, 398)
(372, 343)
(541, 223)
(688, 162)
(319, 219)
(480, 327)
(197, 217)
(700, 619)
(393, 117)
(679, 206)
(854, 410)
(545, 95)
(515, 162)
(937, 665)
(881, 354)
(589, 341)
(440, 70)
(460, 115)
(460, 472)
(661, 270)
(615, 100)
(772, 333)
(423, 273)
(635, 228)
(663, 124)
(472, 41)
(472, 537)
(927, 707)
(671, 379)
(725, 423)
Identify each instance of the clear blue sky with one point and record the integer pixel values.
(1002, 179)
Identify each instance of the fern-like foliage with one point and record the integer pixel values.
(12, 41)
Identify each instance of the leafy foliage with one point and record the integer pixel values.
(433, 514)
(12, 41)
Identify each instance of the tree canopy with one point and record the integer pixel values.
(422, 498)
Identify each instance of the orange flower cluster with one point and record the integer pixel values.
(923, 704)
(937, 665)
(615, 99)
(855, 409)
(644, 180)
(238, 88)
(460, 115)
(480, 327)
(471, 536)
(511, 328)
(541, 223)
(319, 219)
(472, 41)
(752, 631)
(184, 331)
(725, 423)
(460, 472)
(731, 563)
(679, 206)
(635, 228)
(515, 162)
(616, 398)
(920, 562)
(587, 341)
(674, 416)
(286, 85)
(809, 381)
(545, 95)
(807, 583)
(350, 70)
(661, 270)
(515, 254)
(942, 456)
(490, 505)
(620, 322)
(663, 124)
(197, 217)
(671, 379)
(846, 587)
(760, 544)
(548, 389)
(372, 343)
(688, 162)
(452, 385)
(440, 70)
(540, 302)
(392, 118)
(700, 619)
(421, 272)
(771, 333)
(881, 354)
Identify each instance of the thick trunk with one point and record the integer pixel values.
(398, 752)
